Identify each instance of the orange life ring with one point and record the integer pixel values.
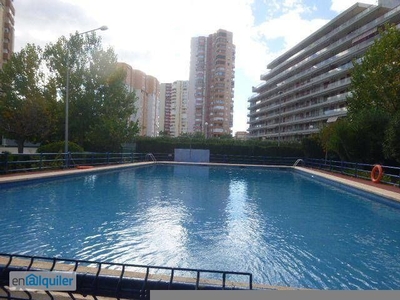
(376, 173)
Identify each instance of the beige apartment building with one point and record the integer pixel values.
(7, 14)
(241, 135)
(306, 88)
(147, 89)
(211, 84)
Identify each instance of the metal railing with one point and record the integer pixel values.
(150, 156)
(14, 163)
(358, 170)
(117, 280)
(298, 161)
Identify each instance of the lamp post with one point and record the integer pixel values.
(280, 119)
(206, 130)
(67, 96)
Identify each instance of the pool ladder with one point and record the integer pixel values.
(297, 162)
(150, 156)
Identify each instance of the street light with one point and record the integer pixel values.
(206, 132)
(102, 28)
(280, 118)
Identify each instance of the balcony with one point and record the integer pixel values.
(342, 56)
(320, 42)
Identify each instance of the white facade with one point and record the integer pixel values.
(306, 87)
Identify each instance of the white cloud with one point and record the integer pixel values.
(154, 35)
(292, 28)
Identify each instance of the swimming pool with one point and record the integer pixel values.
(285, 227)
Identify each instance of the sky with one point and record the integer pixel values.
(154, 35)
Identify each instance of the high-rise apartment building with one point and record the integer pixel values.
(7, 14)
(306, 87)
(147, 90)
(211, 84)
(179, 108)
(174, 100)
(165, 107)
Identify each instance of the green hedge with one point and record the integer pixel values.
(219, 146)
(59, 147)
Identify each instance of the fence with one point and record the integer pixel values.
(10, 163)
(13, 163)
(119, 281)
(358, 170)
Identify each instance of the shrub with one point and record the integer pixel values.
(58, 147)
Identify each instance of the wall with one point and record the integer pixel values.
(192, 155)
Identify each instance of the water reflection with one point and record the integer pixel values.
(283, 228)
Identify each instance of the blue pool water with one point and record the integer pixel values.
(284, 227)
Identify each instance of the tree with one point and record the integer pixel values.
(100, 105)
(375, 81)
(27, 101)
(391, 145)
(373, 102)
(369, 128)
(311, 146)
(339, 138)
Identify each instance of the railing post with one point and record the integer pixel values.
(108, 158)
(341, 167)
(6, 163)
(66, 160)
(356, 170)
(41, 161)
(399, 178)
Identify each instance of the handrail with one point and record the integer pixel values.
(356, 169)
(151, 156)
(297, 162)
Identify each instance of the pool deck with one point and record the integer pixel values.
(380, 189)
(17, 177)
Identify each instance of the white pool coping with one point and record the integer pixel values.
(355, 184)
